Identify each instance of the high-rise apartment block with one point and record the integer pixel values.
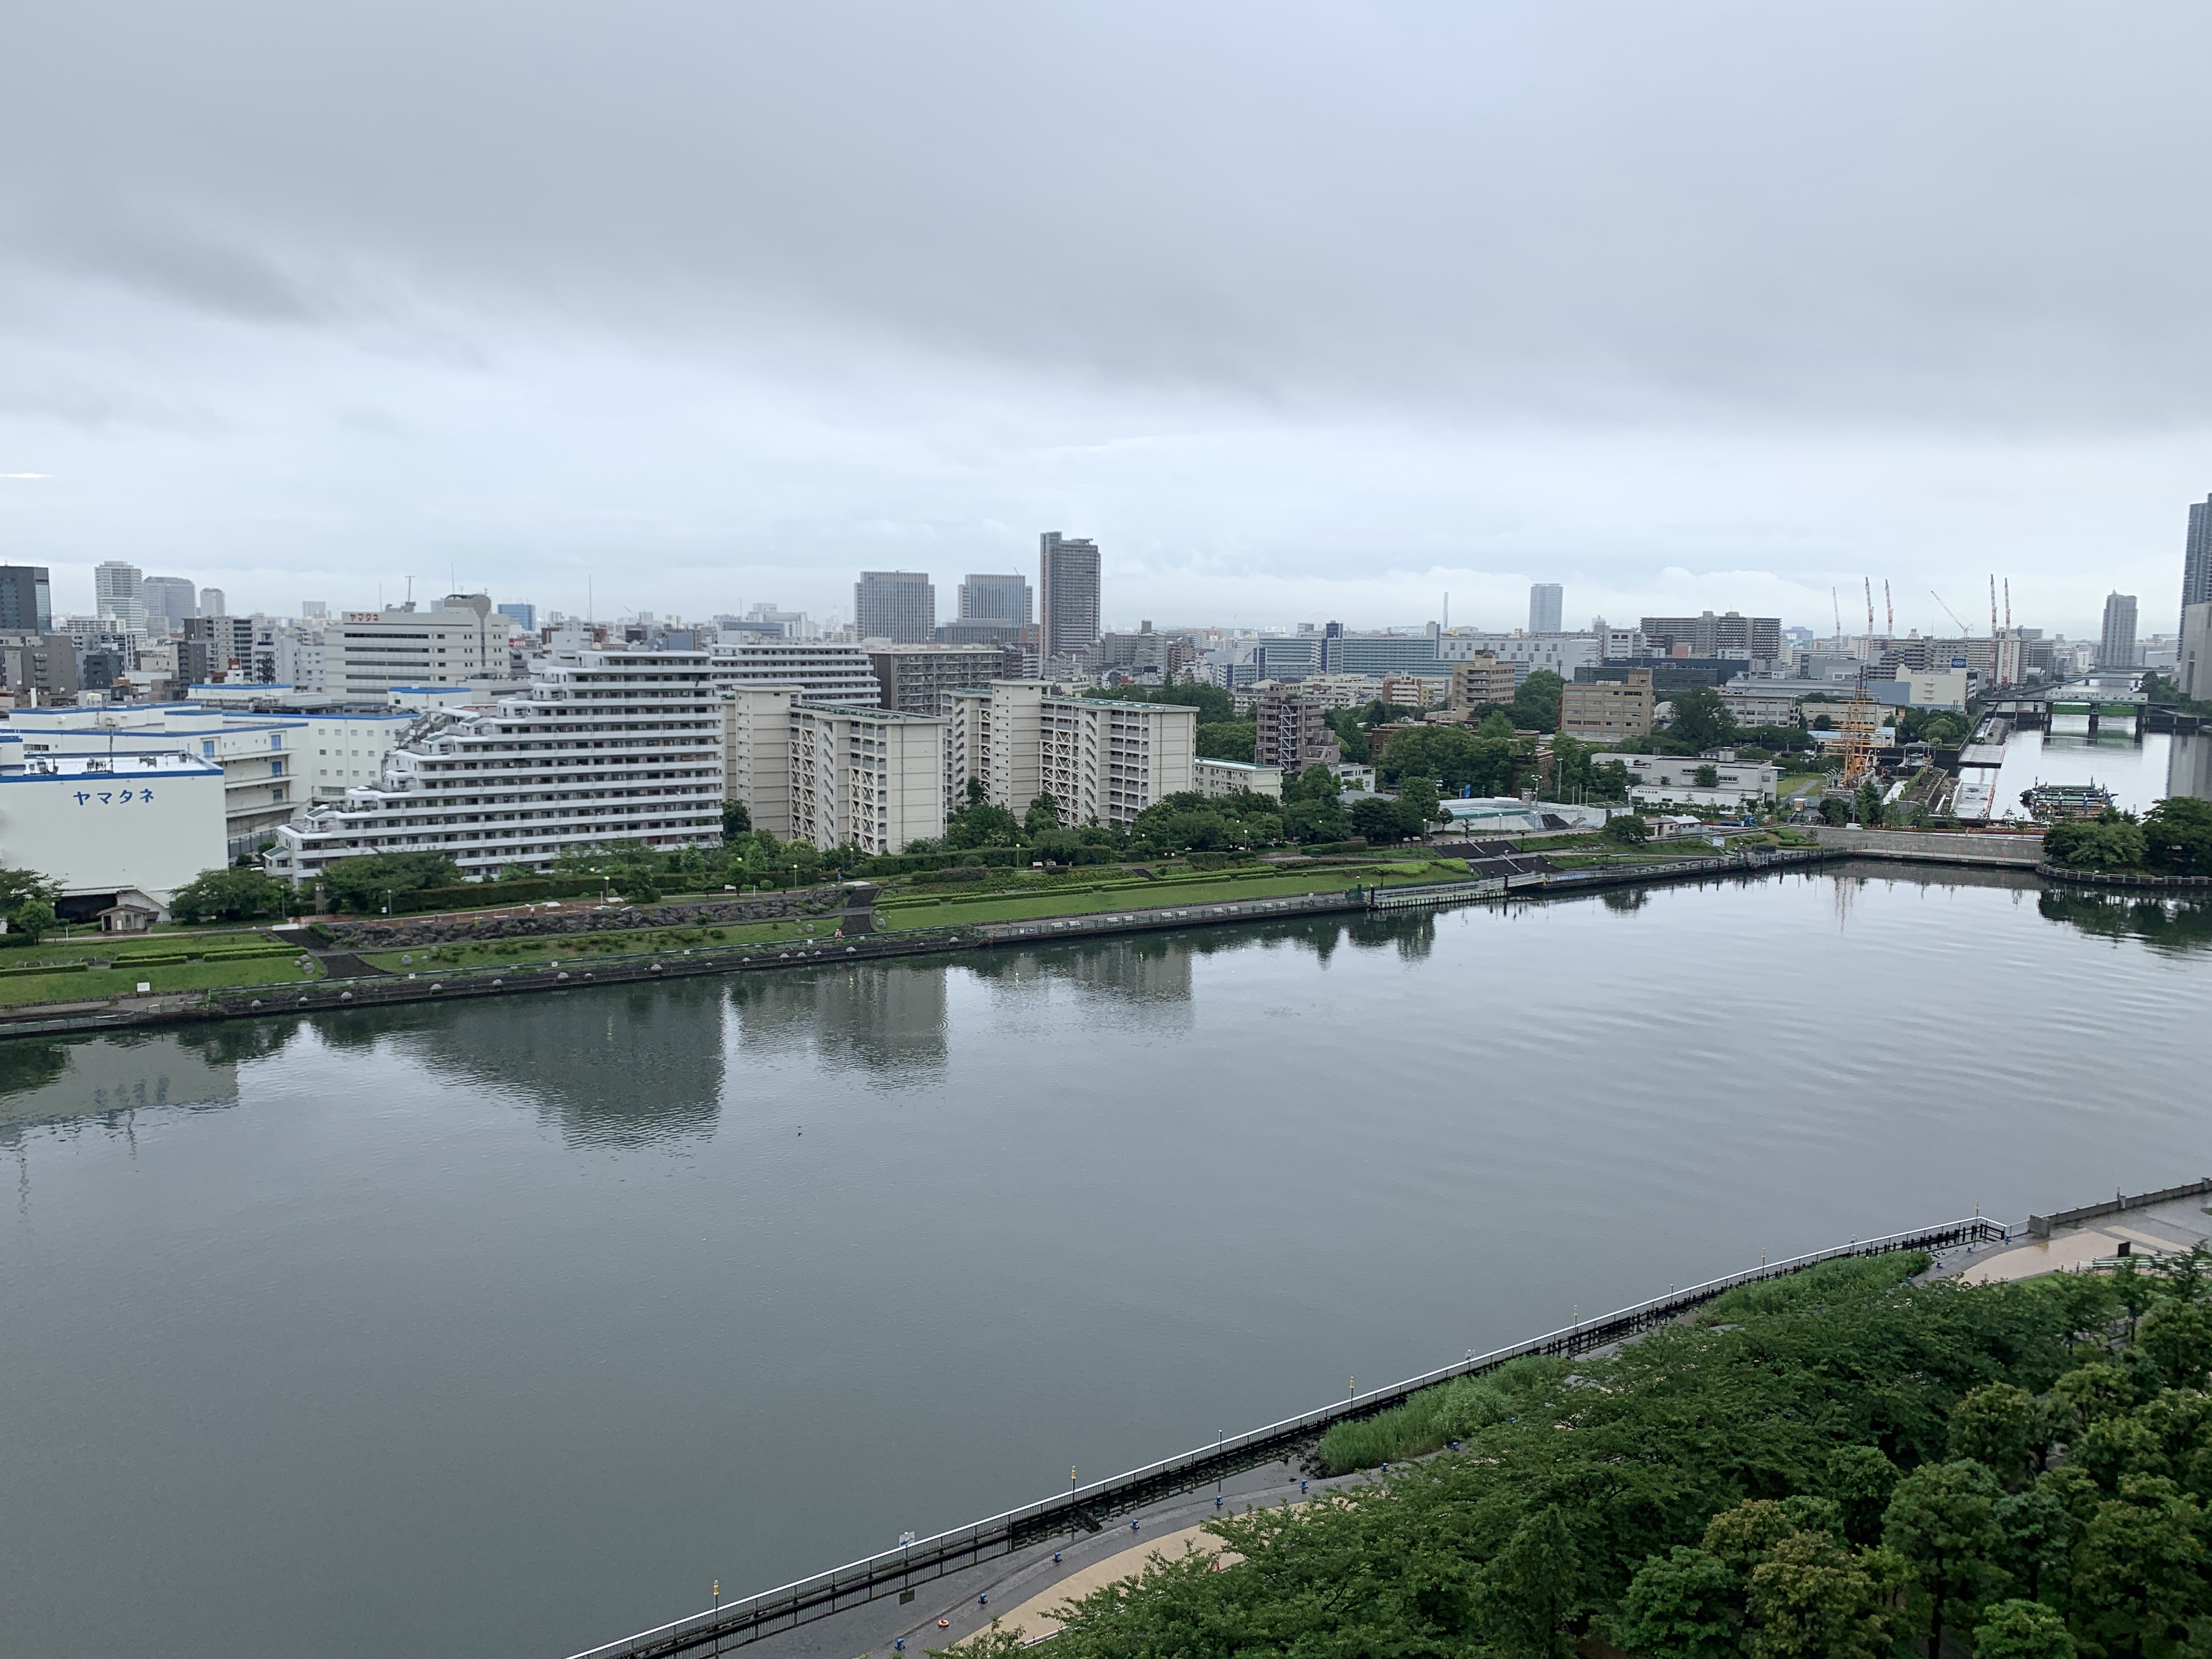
(1707, 636)
(842, 675)
(604, 746)
(1546, 602)
(831, 775)
(1292, 732)
(898, 605)
(2197, 556)
(27, 604)
(2116, 643)
(115, 593)
(2192, 658)
(919, 679)
(1067, 593)
(213, 603)
(1605, 711)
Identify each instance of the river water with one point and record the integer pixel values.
(506, 1329)
(2140, 772)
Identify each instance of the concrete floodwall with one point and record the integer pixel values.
(1933, 847)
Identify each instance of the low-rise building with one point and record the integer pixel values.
(604, 746)
(1224, 777)
(1675, 778)
(1605, 711)
(1479, 679)
(1763, 703)
(107, 827)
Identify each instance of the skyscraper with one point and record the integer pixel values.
(2197, 556)
(1545, 601)
(115, 593)
(1067, 593)
(2115, 647)
(172, 598)
(898, 605)
(27, 604)
(995, 600)
(212, 603)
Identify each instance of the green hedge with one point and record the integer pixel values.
(77, 967)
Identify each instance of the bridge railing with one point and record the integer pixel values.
(736, 1623)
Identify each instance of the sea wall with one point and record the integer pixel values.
(1933, 847)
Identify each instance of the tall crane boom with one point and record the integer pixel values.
(1869, 580)
(1964, 631)
(1888, 610)
(1839, 605)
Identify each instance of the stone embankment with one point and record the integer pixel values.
(2122, 878)
(1933, 847)
(575, 916)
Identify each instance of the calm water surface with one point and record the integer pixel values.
(505, 1329)
(2138, 772)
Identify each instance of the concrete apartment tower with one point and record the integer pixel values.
(2116, 646)
(116, 593)
(1067, 593)
(898, 605)
(2197, 556)
(1546, 602)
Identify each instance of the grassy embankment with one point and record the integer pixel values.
(91, 971)
(581, 947)
(1113, 890)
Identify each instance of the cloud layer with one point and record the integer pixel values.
(1303, 312)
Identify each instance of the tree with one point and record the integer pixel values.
(1535, 705)
(1813, 1598)
(1942, 1519)
(1866, 804)
(27, 900)
(1706, 777)
(737, 819)
(1861, 1479)
(1684, 1605)
(2110, 842)
(1629, 828)
(1701, 720)
(1228, 740)
(639, 887)
(1313, 806)
(1495, 724)
(2022, 1630)
(1350, 739)
(1044, 814)
(980, 824)
(2177, 836)
(2036, 1533)
(227, 895)
(1527, 1590)
(364, 883)
(2177, 1340)
(2138, 1571)
(1995, 1425)
(1214, 704)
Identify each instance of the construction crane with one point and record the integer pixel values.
(1888, 610)
(1869, 580)
(1839, 605)
(2008, 604)
(1964, 631)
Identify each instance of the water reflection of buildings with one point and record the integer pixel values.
(619, 1066)
(2188, 766)
(887, 1019)
(44, 1083)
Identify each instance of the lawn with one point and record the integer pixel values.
(97, 983)
(956, 912)
(582, 947)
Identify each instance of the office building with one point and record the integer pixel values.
(1554, 653)
(1605, 711)
(2197, 556)
(1664, 778)
(1545, 601)
(1481, 679)
(1758, 638)
(604, 747)
(115, 593)
(918, 679)
(213, 604)
(370, 652)
(170, 602)
(832, 775)
(1293, 732)
(27, 604)
(39, 670)
(898, 605)
(1101, 762)
(1067, 594)
(999, 599)
(218, 648)
(825, 672)
(524, 616)
(110, 829)
(2116, 643)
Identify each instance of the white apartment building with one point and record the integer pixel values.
(1101, 763)
(1664, 778)
(831, 774)
(1763, 703)
(1221, 777)
(1561, 653)
(604, 746)
(841, 676)
(116, 593)
(369, 652)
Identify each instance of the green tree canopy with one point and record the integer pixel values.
(1214, 704)
(1701, 720)
(1629, 828)
(1535, 705)
(1228, 740)
(361, 884)
(229, 895)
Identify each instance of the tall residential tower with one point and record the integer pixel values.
(1546, 600)
(1067, 593)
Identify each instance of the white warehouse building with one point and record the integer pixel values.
(604, 746)
(107, 828)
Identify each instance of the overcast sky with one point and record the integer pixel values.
(1303, 312)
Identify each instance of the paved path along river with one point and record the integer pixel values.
(508, 1327)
